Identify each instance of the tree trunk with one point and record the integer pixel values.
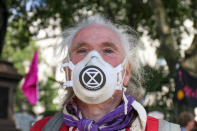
(3, 23)
(169, 48)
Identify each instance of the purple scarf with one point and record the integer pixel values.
(115, 120)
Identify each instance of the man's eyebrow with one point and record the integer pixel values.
(110, 44)
(79, 45)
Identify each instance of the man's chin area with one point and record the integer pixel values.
(116, 97)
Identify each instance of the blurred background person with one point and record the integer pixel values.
(186, 121)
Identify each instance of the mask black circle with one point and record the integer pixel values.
(92, 78)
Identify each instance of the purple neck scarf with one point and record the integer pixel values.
(113, 121)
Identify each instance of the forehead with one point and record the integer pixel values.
(96, 34)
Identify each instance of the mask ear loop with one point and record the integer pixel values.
(67, 60)
(122, 86)
(70, 65)
(123, 95)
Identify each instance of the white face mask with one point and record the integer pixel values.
(93, 80)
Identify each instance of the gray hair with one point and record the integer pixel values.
(128, 39)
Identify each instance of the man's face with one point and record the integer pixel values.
(99, 38)
(102, 39)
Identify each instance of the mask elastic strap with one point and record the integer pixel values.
(68, 82)
(123, 89)
(123, 94)
(67, 74)
(118, 69)
(125, 100)
(68, 64)
(120, 86)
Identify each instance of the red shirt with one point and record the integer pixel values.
(152, 124)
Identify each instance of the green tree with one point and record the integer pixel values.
(162, 19)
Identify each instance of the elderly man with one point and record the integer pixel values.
(100, 59)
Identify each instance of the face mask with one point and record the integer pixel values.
(93, 80)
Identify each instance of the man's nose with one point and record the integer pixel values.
(93, 57)
(92, 60)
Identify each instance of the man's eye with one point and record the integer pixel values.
(108, 51)
(81, 51)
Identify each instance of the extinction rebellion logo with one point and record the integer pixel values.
(92, 78)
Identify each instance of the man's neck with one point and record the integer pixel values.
(97, 111)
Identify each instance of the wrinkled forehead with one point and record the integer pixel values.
(96, 34)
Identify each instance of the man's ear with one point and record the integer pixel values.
(127, 74)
